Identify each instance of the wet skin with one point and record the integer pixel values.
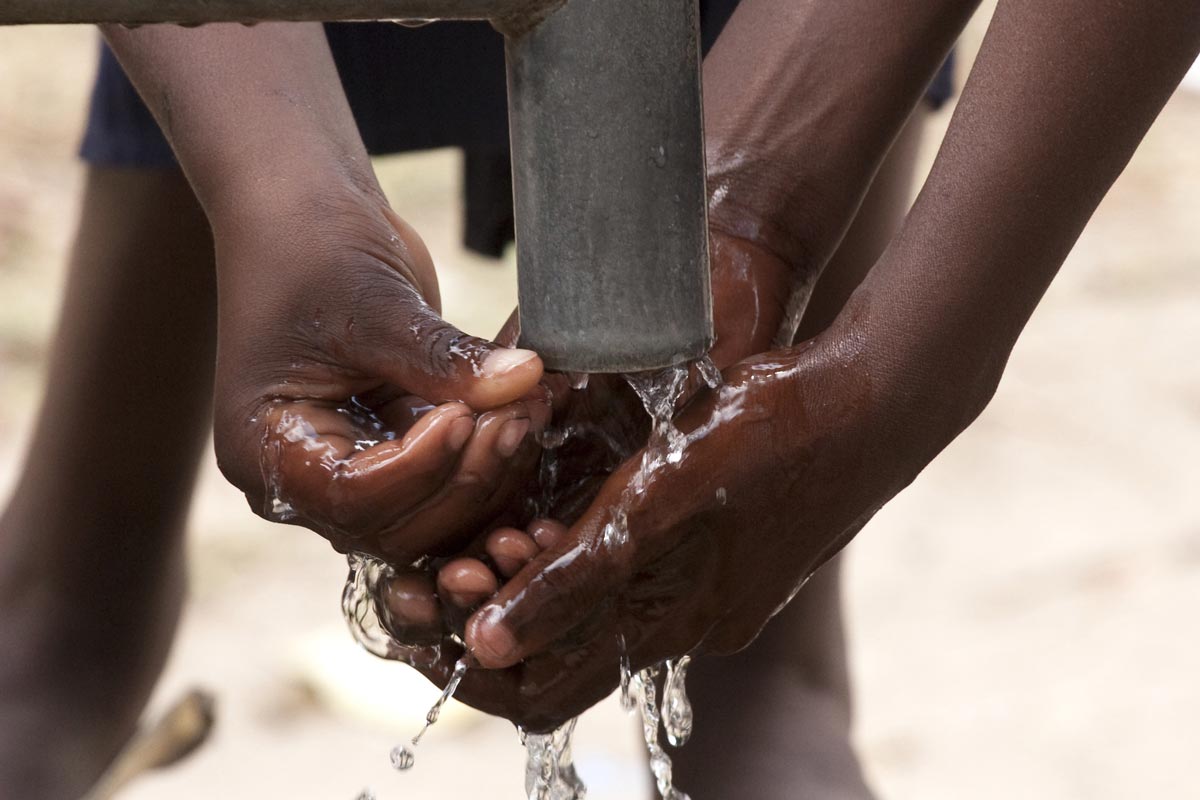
(609, 426)
(329, 331)
(910, 362)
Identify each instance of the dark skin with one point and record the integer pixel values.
(120, 434)
(328, 307)
(842, 423)
(908, 364)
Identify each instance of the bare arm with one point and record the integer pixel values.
(330, 338)
(800, 447)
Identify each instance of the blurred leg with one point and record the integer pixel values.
(773, 721)
(91, 557)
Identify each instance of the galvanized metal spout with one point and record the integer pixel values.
(608, 166)
(608, 159)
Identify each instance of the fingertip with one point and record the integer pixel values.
(512, 433)
(411, 603)
(511, 549)
(466, 582)
(506, 375)
(547, 532)
(459, 432)
(509, 362)
(491, 643)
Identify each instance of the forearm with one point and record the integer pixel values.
(1060, 97)
(255, 114)
(803, 99)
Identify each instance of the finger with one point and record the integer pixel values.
(466, 582)
(510, 549)
(502, 448)
(313, 461)
(556, 591)
(411, 611)
(547, 532)
(406, 342)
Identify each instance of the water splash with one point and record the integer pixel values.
(676, 706)
(403, 757)
(708, 372)
(550, 767)
(359, 605)
(659, 391)
(627, 701)
(616, 532)
(460, 670)
(360, 609)
(660, 763)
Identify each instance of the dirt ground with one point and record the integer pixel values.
(1022, 618)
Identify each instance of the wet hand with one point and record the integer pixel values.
(784, 464)
(602, 425)
(345, 402)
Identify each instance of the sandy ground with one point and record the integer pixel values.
(1022, 618)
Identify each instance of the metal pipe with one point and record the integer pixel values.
(608, 167)
(26, 12)
(608, 158)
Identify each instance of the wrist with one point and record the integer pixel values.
(928, 378)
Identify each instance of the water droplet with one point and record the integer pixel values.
(550, 767)
(722, 495)
(660, 762)
(709, 372)
(658, 155)
(402, 758)
(677, 707)
(627, 701)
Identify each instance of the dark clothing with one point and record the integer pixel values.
(439, 85)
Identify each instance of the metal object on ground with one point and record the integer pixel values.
(608, 168)
(168, 740)
(608, 159)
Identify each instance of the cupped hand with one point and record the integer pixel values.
(345, 402)
(783, 464)
(594, 430)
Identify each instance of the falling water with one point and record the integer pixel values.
(550, 772)
(627, 701)
(550, 767)
(403, 757)
(660, 762)
(676, 707)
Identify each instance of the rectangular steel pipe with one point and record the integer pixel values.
(26, 12)
(608, 159)
(608, 166)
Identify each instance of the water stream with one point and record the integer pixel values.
(549, 771)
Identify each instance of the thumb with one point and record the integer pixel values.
(409, 344)
(555, 592)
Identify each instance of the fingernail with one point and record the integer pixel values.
(492, 643)
(504, 360)
(511, 436)
(460, 430)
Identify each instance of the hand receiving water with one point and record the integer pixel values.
(595, 429)
(345, 403)
(783, 464)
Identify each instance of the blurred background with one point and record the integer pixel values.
(1022, 619)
